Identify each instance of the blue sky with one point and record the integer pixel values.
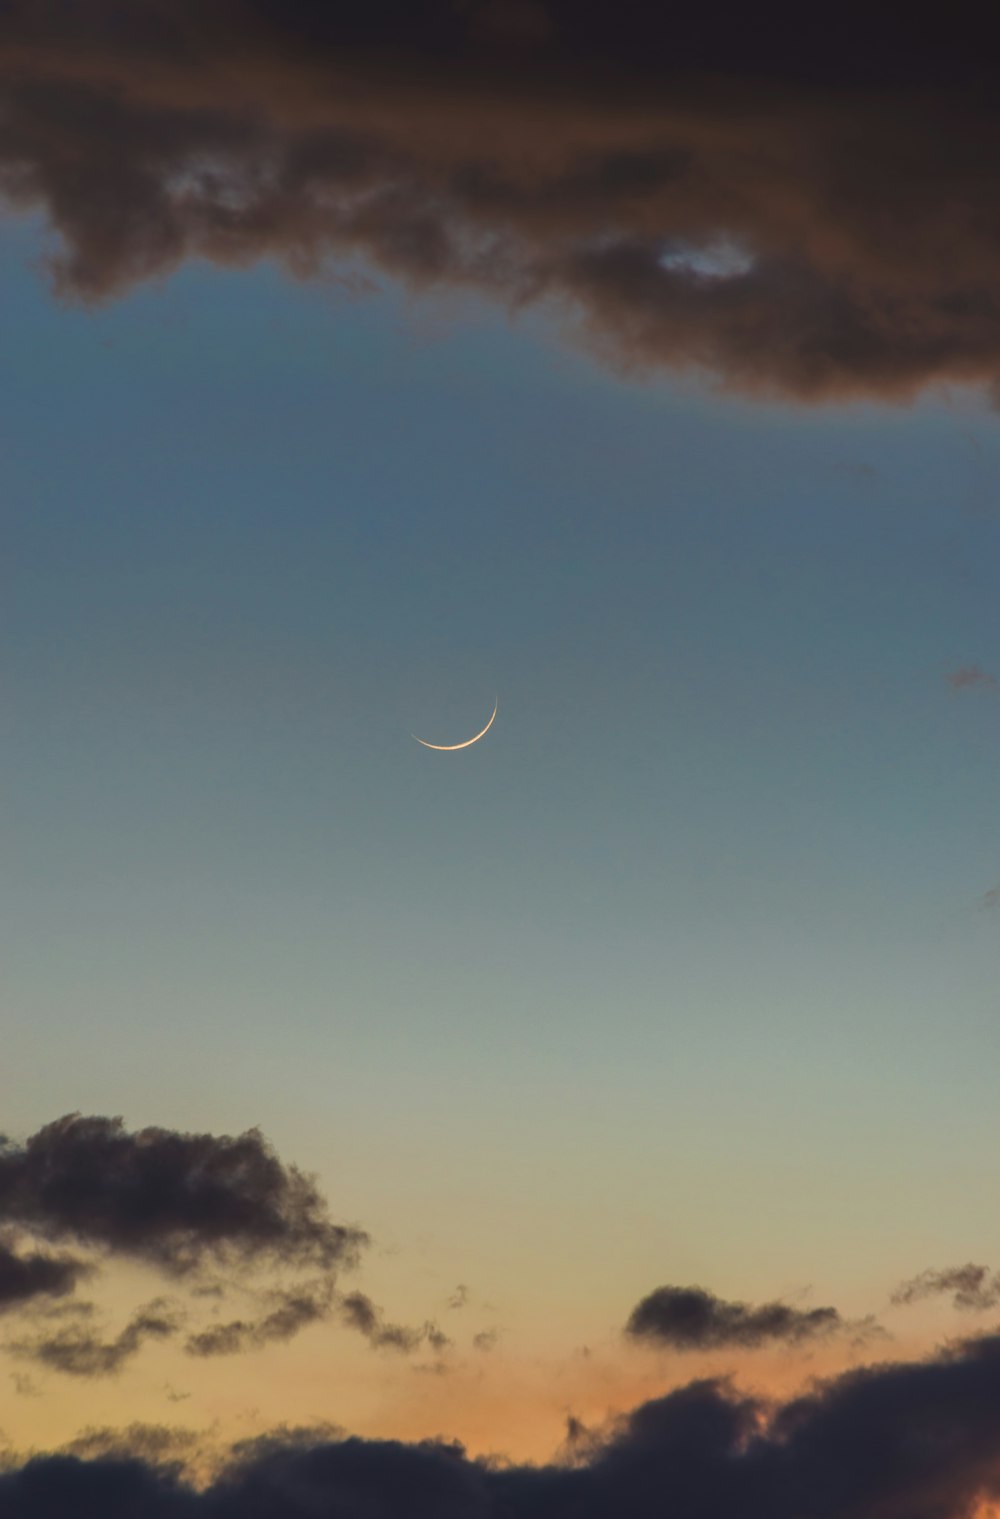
(703, 909)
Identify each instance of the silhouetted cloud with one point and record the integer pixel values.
(798, 209)
(919, 1439)
(177, 1201)
(155, 1444)
(360, 1313)
(689, 1318)
(80, 1352)
(293, 1309)
(221, 1217)
(971, 1287)
(971, 676)
(26, 1277)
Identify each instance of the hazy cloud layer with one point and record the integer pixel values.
(798, 209)
(689, 1318)
(177, 1201)
(971, 1287)
(919, 1439)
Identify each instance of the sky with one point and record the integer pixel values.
(599, 1118)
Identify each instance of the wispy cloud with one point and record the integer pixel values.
(292, 1310)
(974, 1288)
(971, 677)
(78, 1351)
(360, 1313)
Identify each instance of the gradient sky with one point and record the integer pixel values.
(686, 974)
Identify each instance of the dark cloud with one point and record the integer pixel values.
(360, 1313)
(688, 1318)
(971, 1287)
(971, 676)
(154, 1444)
(27, 1277)
(78, 1351)
(906, 1441)
(177, 1201)
(282, 1439)
(800, 207)
(292, 1309)
(191, 1206)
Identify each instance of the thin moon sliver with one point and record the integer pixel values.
(449, 748)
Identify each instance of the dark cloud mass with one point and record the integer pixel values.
(971, 1287)
(798, 204)
(25, 1277)
(689, 1318)
(177, 1201)
(920, 1440)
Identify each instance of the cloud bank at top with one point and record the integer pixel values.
(797, 210)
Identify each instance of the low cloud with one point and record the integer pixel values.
(973, 1288)
(797, 212)
(920, 1439)
(24, 1278)
(176, 1201)
(77, 1351)
(222, 1219)
(156, 1445)
(689, 1318)
(292, 1310)
(360, 1313)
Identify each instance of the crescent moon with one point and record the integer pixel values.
(449, 747)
